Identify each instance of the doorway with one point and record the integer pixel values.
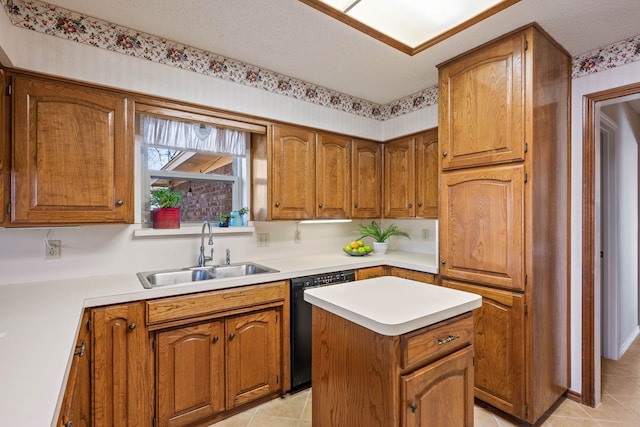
(591, 229)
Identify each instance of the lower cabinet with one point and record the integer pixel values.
(418, 276)
(499, 339)
(440, 394)
(121, 367)
(190, 373)
(371, 272)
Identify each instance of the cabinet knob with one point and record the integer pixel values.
(320, 205)
(443, 261)
(413, 407)
(132, 326)
(444, 154)
(119, 202)
(231, 336)
(277, 204)
(215, 339)
(68, 424)
(410, 205)
(419, 204)
(355, 206)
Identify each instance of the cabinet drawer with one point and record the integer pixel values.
(202, 304)
(437, 341)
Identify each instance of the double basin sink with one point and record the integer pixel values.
(154, 279)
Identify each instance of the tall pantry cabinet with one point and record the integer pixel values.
(504, 212)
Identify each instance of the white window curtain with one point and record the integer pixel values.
(159, 132)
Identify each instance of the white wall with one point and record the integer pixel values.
(592, 83)
(626, 171)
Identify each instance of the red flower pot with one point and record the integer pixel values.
(166, 218)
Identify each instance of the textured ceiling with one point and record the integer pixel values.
(291, 38)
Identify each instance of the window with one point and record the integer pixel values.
(206, 164)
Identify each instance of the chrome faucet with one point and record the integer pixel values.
(202, 259)
(228, 257)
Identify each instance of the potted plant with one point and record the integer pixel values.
(166, 213)
(380, 235)
(239, 218)
(223, 219)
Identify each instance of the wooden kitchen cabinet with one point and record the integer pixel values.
(413, 373)
(219, 351)
(333, 177)
(499, 340)
(440, 394)
(76, 403)
(418, 276)
(190, 373)
(366, 179)
(293, 173)
(481, 104)
(253, 356)
(399, 178)
(5, 148)
(72, 154)
(504, 203)
(411, 176)
(481, 226)
(371, 272)
(121, 367)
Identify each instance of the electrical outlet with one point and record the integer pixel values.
(425, 234)
(263, 239)
(52, 249)
(297, 237)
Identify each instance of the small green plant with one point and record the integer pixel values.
(380, 234)
(224, 218)
(243, 211)
(165, 198)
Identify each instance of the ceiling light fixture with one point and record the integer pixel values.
(410, 26)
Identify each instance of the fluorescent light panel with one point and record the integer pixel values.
(414, 22)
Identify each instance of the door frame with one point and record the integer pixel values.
(589, 138)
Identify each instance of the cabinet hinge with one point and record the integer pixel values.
(89, 325)
(277, 379)
(526, 147)
(153, 422)
(526, 410)
(9, 90)
(526, 278)
(526, 177)
(153, 344)
(526, 308)
(9, 208)
(526, 44)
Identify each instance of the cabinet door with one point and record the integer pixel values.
(499, 341)
(72, 154)
(399, 178)
(190, 374)
(333, 177)
(253, 356)
(366, 180)
(427, 174)
(482, 226)
(121, 360)
(76, 404)
(293, 173)
(5, 138)
(482, 106)
(441, 393)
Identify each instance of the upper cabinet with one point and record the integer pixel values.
(333, 176)
(411, 176)
(366, 179)
(292, 170)
(72, 154)
(481, 106)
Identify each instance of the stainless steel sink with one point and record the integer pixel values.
(154, 279)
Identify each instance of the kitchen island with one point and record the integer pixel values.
(392, 352)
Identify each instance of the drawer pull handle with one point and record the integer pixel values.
(448, 339)
(413, 407)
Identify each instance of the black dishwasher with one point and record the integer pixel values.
(301, 323)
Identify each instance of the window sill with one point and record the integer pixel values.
(190, 231)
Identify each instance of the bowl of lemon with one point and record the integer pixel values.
(357, 248)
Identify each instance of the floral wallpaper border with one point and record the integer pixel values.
(55, 21)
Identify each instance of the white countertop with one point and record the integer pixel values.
(39, 322)
(392, 305)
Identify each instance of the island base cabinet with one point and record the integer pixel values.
(440, 394)
(190, 374)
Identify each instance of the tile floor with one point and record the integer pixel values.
(620, 405)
